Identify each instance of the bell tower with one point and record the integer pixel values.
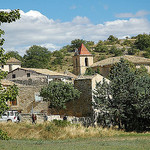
(82, 59)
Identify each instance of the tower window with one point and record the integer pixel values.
(76, 62)
(86, 61)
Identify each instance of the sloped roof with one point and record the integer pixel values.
(45, 71)
(83, 50)
(13, 60)
(113, 60)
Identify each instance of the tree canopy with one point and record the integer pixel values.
(11, 92)
(142, 41)
(36, 57)
(58, 93)
(126, 97)
(14, 54)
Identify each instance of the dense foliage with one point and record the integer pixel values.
(58, 93)
(14, 54)
(126, 97)
(36, 57)
(4, 135)
(11, 92)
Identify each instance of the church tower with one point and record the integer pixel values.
(82, 60)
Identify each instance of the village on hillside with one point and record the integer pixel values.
(30, 81)
(74, 75)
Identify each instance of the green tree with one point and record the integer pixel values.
(89, 71)
(36, 57)
(100, 47)
(112, 39)
(147, 53)
(14, 54)
(11, 92)
(116, 51)
(127, 97)
(59, 93)
(142, 41)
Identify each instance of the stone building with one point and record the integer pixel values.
(82, 60)
(29, 82)
(83, 106)
(105, 65)
(28, 98)
(10, 65)
(33, 75)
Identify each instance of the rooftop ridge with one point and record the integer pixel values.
(83, 50)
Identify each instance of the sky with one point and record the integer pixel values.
(55, 23)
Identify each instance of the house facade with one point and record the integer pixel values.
(10, 65)
(105, 65)
(36, 76)
(29, 82)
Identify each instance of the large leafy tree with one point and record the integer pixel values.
(127, 97)
(75, 44)
(14, 54)
(36, 57)
(11, 92)
(142, 41)
(59, 93)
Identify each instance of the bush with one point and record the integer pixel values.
(4, 135)
(61, 123)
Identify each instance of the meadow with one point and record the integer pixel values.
(65, 136)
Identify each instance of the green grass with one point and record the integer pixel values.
(108, 143)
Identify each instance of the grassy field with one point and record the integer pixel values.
(109, 143)
(64, 136)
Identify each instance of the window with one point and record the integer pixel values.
(86, 61)
(38, 98)
(13, 76)
(2, 66)
(28, 74)
(76, 62)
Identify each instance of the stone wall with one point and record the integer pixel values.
(86, 121)
(26, 100)
(83, 106)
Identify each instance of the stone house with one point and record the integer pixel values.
(83, 59)
(27, 98)
(10, 65)
(29, 82)
(105, 65)
(33, 75)
(82, 107)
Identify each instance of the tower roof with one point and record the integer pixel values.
(83, 50)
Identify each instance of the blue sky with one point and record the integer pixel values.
(54, 23)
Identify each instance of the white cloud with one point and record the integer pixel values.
(140, 13)
(81, 20)
(36, 29)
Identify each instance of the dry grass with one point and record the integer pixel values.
(51, 131)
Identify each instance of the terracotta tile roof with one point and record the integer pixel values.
(113, 60)
(83, 50)
(13, 60)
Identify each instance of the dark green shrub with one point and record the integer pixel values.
(61, 123)
(4, 135)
